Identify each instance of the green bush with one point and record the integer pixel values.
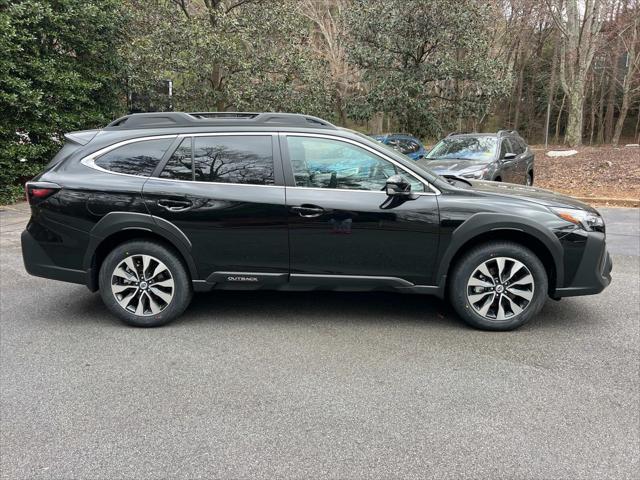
(59, 71)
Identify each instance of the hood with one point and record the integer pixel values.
(533, 194)
(453, 166)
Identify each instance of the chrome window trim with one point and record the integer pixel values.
(89, 160)
(215, 183)
(434, 190)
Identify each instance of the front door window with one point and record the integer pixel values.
(327, 163)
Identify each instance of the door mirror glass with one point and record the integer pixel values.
(509, 156)
(397, 185)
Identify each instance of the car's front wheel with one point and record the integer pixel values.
(498, 286)
(529, 180)
(144, 283)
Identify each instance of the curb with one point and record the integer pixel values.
(621, 202)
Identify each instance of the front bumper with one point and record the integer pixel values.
(593, 273)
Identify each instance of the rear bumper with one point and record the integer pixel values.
(594, 271)
(38, 263)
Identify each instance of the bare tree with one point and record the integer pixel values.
(326, 17)
(580, 25)
(630, 37)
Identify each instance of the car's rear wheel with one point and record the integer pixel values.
(498, 286)
(144, 283)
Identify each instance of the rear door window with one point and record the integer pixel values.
(137, 158)
(179, 166)
(223, 159)
(234, 159)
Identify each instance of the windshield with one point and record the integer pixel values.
(467, 148)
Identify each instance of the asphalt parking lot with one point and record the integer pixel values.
(317, 385)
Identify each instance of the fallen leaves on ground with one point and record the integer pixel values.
(596, 172)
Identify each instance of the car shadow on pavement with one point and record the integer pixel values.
(317, 306)
(330, 308)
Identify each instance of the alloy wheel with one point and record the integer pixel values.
(142, 285)
(500, 288)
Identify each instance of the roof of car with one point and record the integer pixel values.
(389, 135)
(499, 133)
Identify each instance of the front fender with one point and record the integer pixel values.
(486, 222)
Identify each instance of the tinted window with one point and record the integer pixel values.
(178, 167)
(516, 145)
(410, 146)
(471, 148)
(138, 158)
(504, 148)
(234, 159)
(324, 163)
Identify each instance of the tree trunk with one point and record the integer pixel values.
(516, 119)
(573, 135)
(556, 137)
(592, 112)
(632, 66)
(624, 108)
(551, 94)
(611, 100)
(580, 24)
(600, 137)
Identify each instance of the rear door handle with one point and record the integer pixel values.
(175, 205)
(308, 211)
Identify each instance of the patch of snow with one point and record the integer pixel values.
(633, 145)
(561, 153)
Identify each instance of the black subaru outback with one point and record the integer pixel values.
(156, 206)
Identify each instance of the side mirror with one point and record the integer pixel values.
(397, 185)
(509, 156)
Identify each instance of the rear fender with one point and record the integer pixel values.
(116, 222)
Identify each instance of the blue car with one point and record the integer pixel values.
(404, 143)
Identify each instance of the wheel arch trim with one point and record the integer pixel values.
(485, 223)
(116, 222)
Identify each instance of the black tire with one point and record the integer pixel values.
(470, 263)
(175, 272)
(497, 179)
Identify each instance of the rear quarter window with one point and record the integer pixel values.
(138, 158)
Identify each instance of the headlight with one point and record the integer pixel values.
(587, 220)
(477, 174)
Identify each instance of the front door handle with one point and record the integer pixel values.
(308, 211)
(175, 205)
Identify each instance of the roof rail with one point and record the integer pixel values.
(456, 133)
(507, 132)
(220, 119)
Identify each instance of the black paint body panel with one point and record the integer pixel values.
(362, 240)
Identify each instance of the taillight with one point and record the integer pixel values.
(38, 191)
